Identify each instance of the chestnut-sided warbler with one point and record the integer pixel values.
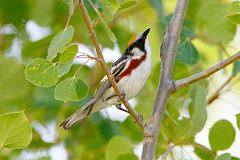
(130, 73)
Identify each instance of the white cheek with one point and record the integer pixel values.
(137, 52)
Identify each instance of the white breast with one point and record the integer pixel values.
(132, 84)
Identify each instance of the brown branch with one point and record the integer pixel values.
(165, 87)
(201, 75)
(89, 24)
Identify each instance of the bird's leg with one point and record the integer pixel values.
(118, 106)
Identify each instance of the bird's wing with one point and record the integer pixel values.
(117, 68)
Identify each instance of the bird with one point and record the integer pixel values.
(130, 72)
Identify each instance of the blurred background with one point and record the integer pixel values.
(26, 30)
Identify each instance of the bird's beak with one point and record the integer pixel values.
(145, 33)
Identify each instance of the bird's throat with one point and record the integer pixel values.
(134, 63)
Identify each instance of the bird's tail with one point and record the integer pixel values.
(79, 115)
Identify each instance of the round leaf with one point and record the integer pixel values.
(187, 53)
(118, 146)
(42, 73)
(221, 135)
(71, 89)
(59, 42)
(15, 130)
(225, 156)
(68, 55)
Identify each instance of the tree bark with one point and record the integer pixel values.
(166, 86)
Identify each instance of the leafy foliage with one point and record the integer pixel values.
(59, 42)
(221, 135)
(234, 12)
(118, 147)
(72, 89)
(42, 72)
(187, 53)
(15, 130)
(59, 81)
(225, 156)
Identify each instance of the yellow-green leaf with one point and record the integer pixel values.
(69, 54)
(221, 135)
(118, 146)
(42, 73)
(15, 130)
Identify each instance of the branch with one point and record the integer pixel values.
(201, 75)
(89, 24)
(166, 86)
(218, 91)
(165, 154)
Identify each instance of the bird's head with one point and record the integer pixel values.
(138, 44)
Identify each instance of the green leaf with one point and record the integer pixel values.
(209, 22)
(127, 4)
(127, 156)
(199, 115)
(59, 42)
(224, 156)
(15, 130)
(221, 135)
(187, 53)
(238, 120)
(118, 146)
(71, 89)
(234, 12)
(70, 3)
(13, 84)
(64, 68)
(236, 68)
(109, 9)
(69, 54)
(42, 18)
(108, 4)
(42, 72)
(234, 7)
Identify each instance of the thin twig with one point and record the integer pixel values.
(70, 16)
(105, 67)
(201, 75)
(199, 146)
(165, 155)
(218, 91)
